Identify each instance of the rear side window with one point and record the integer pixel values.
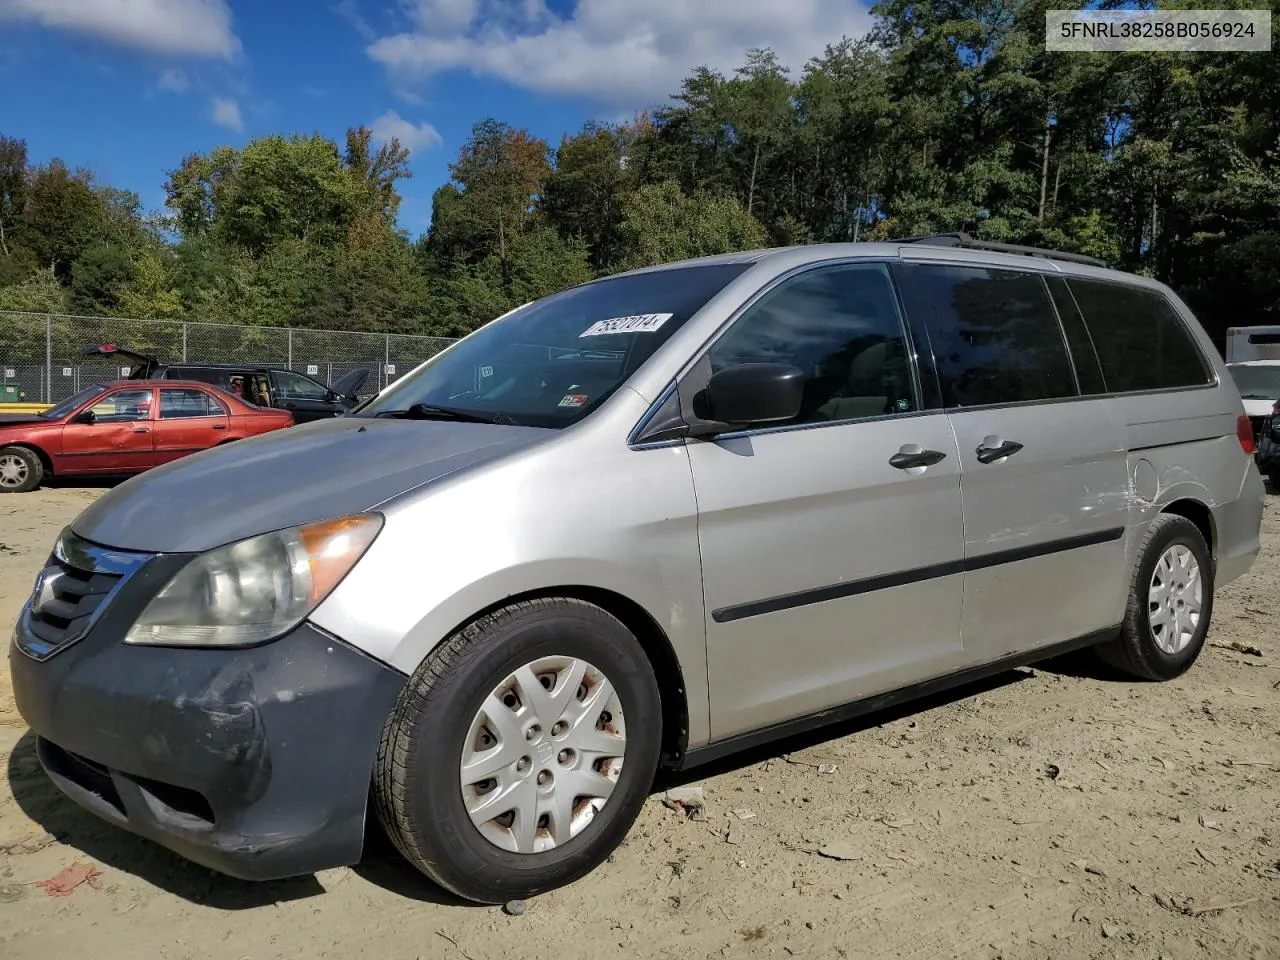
(219, 378)
(994, 333)
(1088, 371)
(177, 404)
(1141, 341)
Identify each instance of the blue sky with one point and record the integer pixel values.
(128, 87)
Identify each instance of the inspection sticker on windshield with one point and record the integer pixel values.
(573, 400)
(640, 323)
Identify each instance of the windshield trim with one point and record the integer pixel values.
(86, 394)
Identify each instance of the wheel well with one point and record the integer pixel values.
(666, 666)
(1200, 515)
(44, 457)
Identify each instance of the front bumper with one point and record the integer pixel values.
(253, 762)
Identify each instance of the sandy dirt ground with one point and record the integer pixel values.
(1055, 812)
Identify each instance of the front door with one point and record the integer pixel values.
(303, 397)
(832, 545)
(119, 440)
(1045, 477)
(190, 420)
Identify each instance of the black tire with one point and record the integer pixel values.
(1275, 481)
(34, 469)
(1135, 651)
(416, 784)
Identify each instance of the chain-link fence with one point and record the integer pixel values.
(42, 360)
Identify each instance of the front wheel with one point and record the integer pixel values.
(521, 751)
(20, 469)
(1170, 603)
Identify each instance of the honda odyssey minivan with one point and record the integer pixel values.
(639, 524)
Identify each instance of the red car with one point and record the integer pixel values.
(124, 427)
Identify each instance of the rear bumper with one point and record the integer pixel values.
(253, 762)
(1239, 526)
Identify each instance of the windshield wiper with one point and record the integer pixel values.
(427, 411)
(1254, 396)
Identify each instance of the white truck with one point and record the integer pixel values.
(1252, 343)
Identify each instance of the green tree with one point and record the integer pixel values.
(582, 196)
(41, 292)
(661, 224)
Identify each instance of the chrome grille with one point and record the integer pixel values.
(71, 593)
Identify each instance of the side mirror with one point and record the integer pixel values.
(84, 416)
(753, 393)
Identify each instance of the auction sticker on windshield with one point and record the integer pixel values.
(640, 323)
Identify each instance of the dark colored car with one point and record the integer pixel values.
(263, 386)
(123, 427)
(1269, 447)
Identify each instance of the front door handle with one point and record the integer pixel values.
(141, 429)
(219, 426)
(990, 451)
(906, 460)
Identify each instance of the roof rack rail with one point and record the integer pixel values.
(964, 240)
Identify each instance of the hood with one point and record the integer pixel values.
(13, 419)
(325, 469)
(348, 385)
(1258, 408)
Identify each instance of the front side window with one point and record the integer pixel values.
(994, 334)
(185, 404)
(294, 386)
(1142, 342)
(553, 361)
(841, 326)
(123, 406)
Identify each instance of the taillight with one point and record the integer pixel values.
(1244, 431)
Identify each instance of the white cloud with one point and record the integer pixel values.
(422, 136)
(617, 52)
(190, 27)
(173, 80)
(226, 113)
(349, 10)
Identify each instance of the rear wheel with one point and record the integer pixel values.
(20, 469)
(1170, 603)
(521, 750)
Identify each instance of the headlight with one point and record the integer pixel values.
(256, 589)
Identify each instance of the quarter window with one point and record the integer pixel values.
(994, 334)
(1142, 342)
(842, 327)
(184, 404)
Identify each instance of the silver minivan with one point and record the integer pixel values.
(639, 524)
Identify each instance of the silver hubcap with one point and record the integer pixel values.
(543, 754)
(1174, 599)
(13, 471)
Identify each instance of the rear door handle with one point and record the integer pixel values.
(906, 460)
(988, 453)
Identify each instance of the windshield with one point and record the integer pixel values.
(58, 411)
(551, 362)
(1260, 382)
